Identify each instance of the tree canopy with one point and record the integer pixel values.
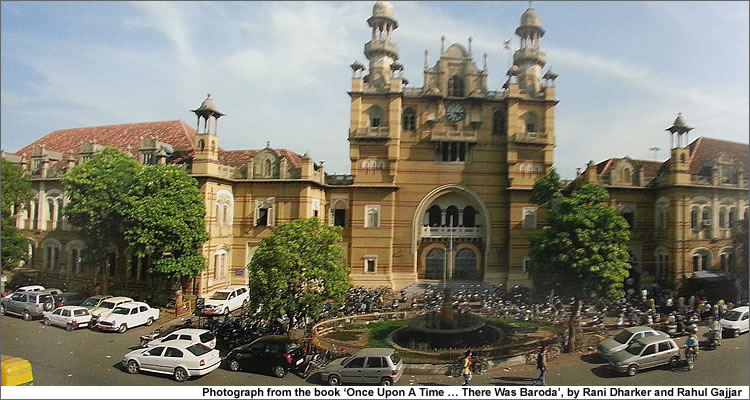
(16, 193)
(297, 268)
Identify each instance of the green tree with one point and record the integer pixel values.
(164, 221)
(547, 188)
(740, 242)
(97, 190)
(582, 252)
(16, 193)
(297, 268)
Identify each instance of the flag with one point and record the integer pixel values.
(507, 44)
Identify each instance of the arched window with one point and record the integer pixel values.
(339, 213)
(732, 220)
(409, 120)
(435, 264)
(267, 168)
(225, 214)
(451, 216)
(694, 218)
(702, 259)
(218, 214)
(498, 123)
(435, 216)
(51, 253)
(377, 117)
(221, 257)
(75, 253)
(469, 216)
(706, 217)
(466, 264)
(627, 175)
(455, 86)
(723, 217)
(202, 145)
(532, 122)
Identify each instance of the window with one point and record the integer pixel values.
(723, 217)
(66, 313)
(201, 145)
(451, 216)
(377, 117)
(706, 217)
(358, 362)
(371, 264)
(262, 217)
(225, 214)
(732, 220)
(75, 261)
(143, 308)
(148, 158)
(267, 168)
(469, 216)
(627, 175)
(409, 122)
(376, 362)
(498, 124)
(532, 124)
(316, 208)
(134, 311)
(455, 86)
(526, 263)
(36, 165)
(51, 254)
(435, 216)
(651, 349)
(156, 351)
(694, 218)
(339, 217)
(529, 218)
(453, 152)
(85, 157)
(80, 313)
(372, 216)
(172, 352)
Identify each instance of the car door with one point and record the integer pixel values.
(171, 359)
(16, 303)
(649, 357)
(65, 317)
(664, 354)
(374, 369)
(151, 359)
(353, 371)
(254, 356)
(232, 302)
(189, 338)
(54, 317)
(134, 318)
(744, 321)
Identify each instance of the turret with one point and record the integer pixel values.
(380, 50)
(529, 58)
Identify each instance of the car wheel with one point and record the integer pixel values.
(26, 316)
(279, 371)
(334, 380)
(386, 382)
(632, 370)
(133, 367)
(69, 327)
(674, 362)
(226, 311)
(149, 321)
(122, 328)
(47, 322)
(234, 365)
(180, 375)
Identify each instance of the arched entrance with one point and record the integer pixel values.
(466, 265)
(435, 264)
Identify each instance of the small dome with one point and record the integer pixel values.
(531, 18)
(208, 104)
(679, 125)
(679, 122)
(397, 66)
(356, 65)
(383, 9)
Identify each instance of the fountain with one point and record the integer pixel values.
(447, 329)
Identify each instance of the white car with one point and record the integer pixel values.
(30, 288)
(202, 336)
(71, 317)
(179, 358)
(106, 307)
(224, 301)
(128, 315)
(736, 321)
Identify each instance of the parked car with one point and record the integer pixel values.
(71, 317)
(180, 358)
(128, 315)
(94, 301)
(377, 366)
(622, 340)
(106, 307)
(647, 352)
(736, 321)
(29, 305)
(275, 354)
(224, 301)
(201, 336)
(29, 288)
(68, 299)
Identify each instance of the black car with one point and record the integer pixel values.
(275, 354)
(68, 299)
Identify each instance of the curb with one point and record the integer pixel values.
(442, 369)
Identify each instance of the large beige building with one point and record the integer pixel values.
(439, 186)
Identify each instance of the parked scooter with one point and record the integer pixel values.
(146, 339)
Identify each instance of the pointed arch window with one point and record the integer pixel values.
(532, 122)
(409, 120)
(694, 218)
(267, 168)
(455, 86)
(498, 123)
(627, 175)
(377, 117)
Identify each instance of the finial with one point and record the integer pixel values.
(208, 95)
(469, 44)
(425, 57)
(268, 144)
(442, 44)
(485, 61)
(531, 5)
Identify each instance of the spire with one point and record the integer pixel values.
(529, 58)
(380, 50)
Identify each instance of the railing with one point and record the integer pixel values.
(531, 137)
(454, 231)
(416, 91)
(379, 132)
(529, 53)
(453, 135)
(381, 45)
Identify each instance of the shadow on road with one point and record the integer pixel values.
(512, 381)
(603, 372)
(592, 358)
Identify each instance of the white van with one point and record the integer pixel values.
(224, 301)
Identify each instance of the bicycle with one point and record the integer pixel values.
(318, 360)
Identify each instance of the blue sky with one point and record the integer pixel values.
(280, 70)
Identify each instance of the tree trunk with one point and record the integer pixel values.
(573, 323)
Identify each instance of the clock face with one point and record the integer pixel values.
(454, 113)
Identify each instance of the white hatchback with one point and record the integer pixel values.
(202, 336)
(736, 321)
(179, 358)
(71, 317)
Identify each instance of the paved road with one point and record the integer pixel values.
(85, 357)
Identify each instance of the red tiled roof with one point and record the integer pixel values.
(705, 149)
(238, 158)
(650, 168)
(176, 133)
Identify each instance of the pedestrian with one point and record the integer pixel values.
(467, 368)
(541, 365)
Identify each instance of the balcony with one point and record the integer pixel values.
(453, 135)
(377, 133)
(456, 232)
(531, 137)
(380, 46)
(529, 54)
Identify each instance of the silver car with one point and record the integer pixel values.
(649, 352)
(622, 340)
(378, 366)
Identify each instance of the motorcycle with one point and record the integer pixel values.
(714, 339)
(690, 356)
(146, 339)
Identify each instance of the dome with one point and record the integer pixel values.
(679, 122)
(531, 18)
(679, 125)
(208, 104)
(514, 70)
(383, 9)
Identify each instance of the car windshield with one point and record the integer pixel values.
(395, 358)
(635, 348)
(107, 304)
(623, 337)
(91, 301)
(199, 349)
(733, 316)
(121, 310)
(219, 296)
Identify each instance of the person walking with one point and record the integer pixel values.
(467, 368)
(541, 365)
